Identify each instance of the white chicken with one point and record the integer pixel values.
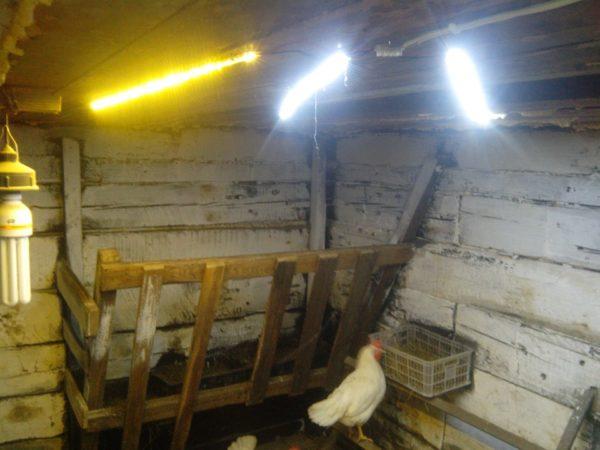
(353, 402)
(244, 443)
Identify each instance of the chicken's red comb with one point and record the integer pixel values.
(377, 343)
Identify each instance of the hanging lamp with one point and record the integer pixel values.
(16, 223)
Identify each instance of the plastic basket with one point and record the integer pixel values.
(423, 361)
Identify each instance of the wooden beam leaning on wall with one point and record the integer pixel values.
(416, 204)
(71, 160)
(93, 389)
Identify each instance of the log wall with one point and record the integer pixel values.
(151, 196)
(510, 263)
(197, 194)
(32, 356)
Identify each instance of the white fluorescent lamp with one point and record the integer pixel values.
(467, 87)
(15, 223)
(326, 73)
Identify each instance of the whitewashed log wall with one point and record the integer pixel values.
(32, 356)
(151, 196)
(511, 265)
(200, 193)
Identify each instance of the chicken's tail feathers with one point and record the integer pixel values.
(325, 413)
(244, 443)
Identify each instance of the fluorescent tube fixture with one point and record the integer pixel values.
(326, 73)
(467, 87)
(169, 81)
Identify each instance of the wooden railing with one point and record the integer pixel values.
(374, 270)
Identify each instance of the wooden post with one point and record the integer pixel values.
(279, 298)
(141, 356)
(318, 206)
(210, 295)
(93, 389)
(71, 159)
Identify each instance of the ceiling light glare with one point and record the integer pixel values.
(467, 87)
(169, 81)
(326, 73)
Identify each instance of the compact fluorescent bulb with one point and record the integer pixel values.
(467, 87)
(326, 73)
(15, 224)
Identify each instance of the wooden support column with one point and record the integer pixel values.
(71, 159)
(412, 217)
(93, 389)
(141, 356)
(318, 206)
(210, 295)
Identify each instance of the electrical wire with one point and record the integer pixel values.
(386, 51)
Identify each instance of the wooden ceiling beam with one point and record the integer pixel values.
(28, 100)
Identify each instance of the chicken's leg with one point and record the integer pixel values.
(362, 436)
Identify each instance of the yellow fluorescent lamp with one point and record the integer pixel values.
(169, 81)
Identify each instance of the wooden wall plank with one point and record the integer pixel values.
(544, 361)
(38, 322)
(194, 193)
(30, 417)
(31, 369)
(554, 152)
(523, 287)
(267, 345)
(556, 233)
(212, 283)
(140, 360)
(104, 170)
(109, 217)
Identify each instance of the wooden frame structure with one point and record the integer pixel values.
(94, 320)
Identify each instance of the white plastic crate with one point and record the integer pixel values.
(423, 361)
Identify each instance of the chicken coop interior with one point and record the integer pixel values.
(300, 224)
